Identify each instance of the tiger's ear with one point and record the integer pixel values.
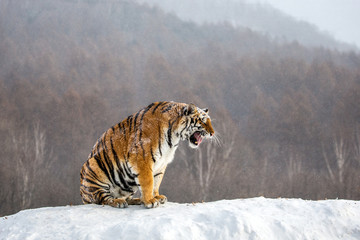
(190, 109)
(206, 110)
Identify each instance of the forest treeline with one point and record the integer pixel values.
(288, 116)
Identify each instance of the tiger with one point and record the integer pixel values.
(133, 155)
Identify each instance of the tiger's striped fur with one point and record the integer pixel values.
(134, 154)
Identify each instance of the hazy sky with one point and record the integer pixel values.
(340, 18)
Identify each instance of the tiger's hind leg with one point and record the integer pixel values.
(96, 187)
(102, 198)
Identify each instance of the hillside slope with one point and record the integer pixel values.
(257, 218)
(257, 16)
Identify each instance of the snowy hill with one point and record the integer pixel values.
(257, 218)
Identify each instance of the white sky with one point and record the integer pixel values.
(340, 18)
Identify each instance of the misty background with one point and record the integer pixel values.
(283, 94)
(339, 18)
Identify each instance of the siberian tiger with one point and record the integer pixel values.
(133, 154)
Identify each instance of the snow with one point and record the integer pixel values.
(255, 218)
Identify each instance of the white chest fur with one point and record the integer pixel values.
(164, 159)
(166, 153)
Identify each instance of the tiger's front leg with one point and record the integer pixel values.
(133, 201)
(146, 181)
(157, 181)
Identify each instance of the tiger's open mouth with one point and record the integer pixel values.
(196, 138)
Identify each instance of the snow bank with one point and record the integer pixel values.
(256, 218)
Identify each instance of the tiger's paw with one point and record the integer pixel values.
(133, 201)
(152, 203)
(161, 198)
(119, 203)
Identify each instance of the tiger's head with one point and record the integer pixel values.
(196, 125)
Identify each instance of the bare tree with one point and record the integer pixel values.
(31, 159)
(293, 166)
(342, 156)
(264, 174)
(328, 166)
(341, 152)
(357, 145)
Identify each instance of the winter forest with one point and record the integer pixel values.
(287, 112)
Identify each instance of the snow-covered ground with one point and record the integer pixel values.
(256, 218)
